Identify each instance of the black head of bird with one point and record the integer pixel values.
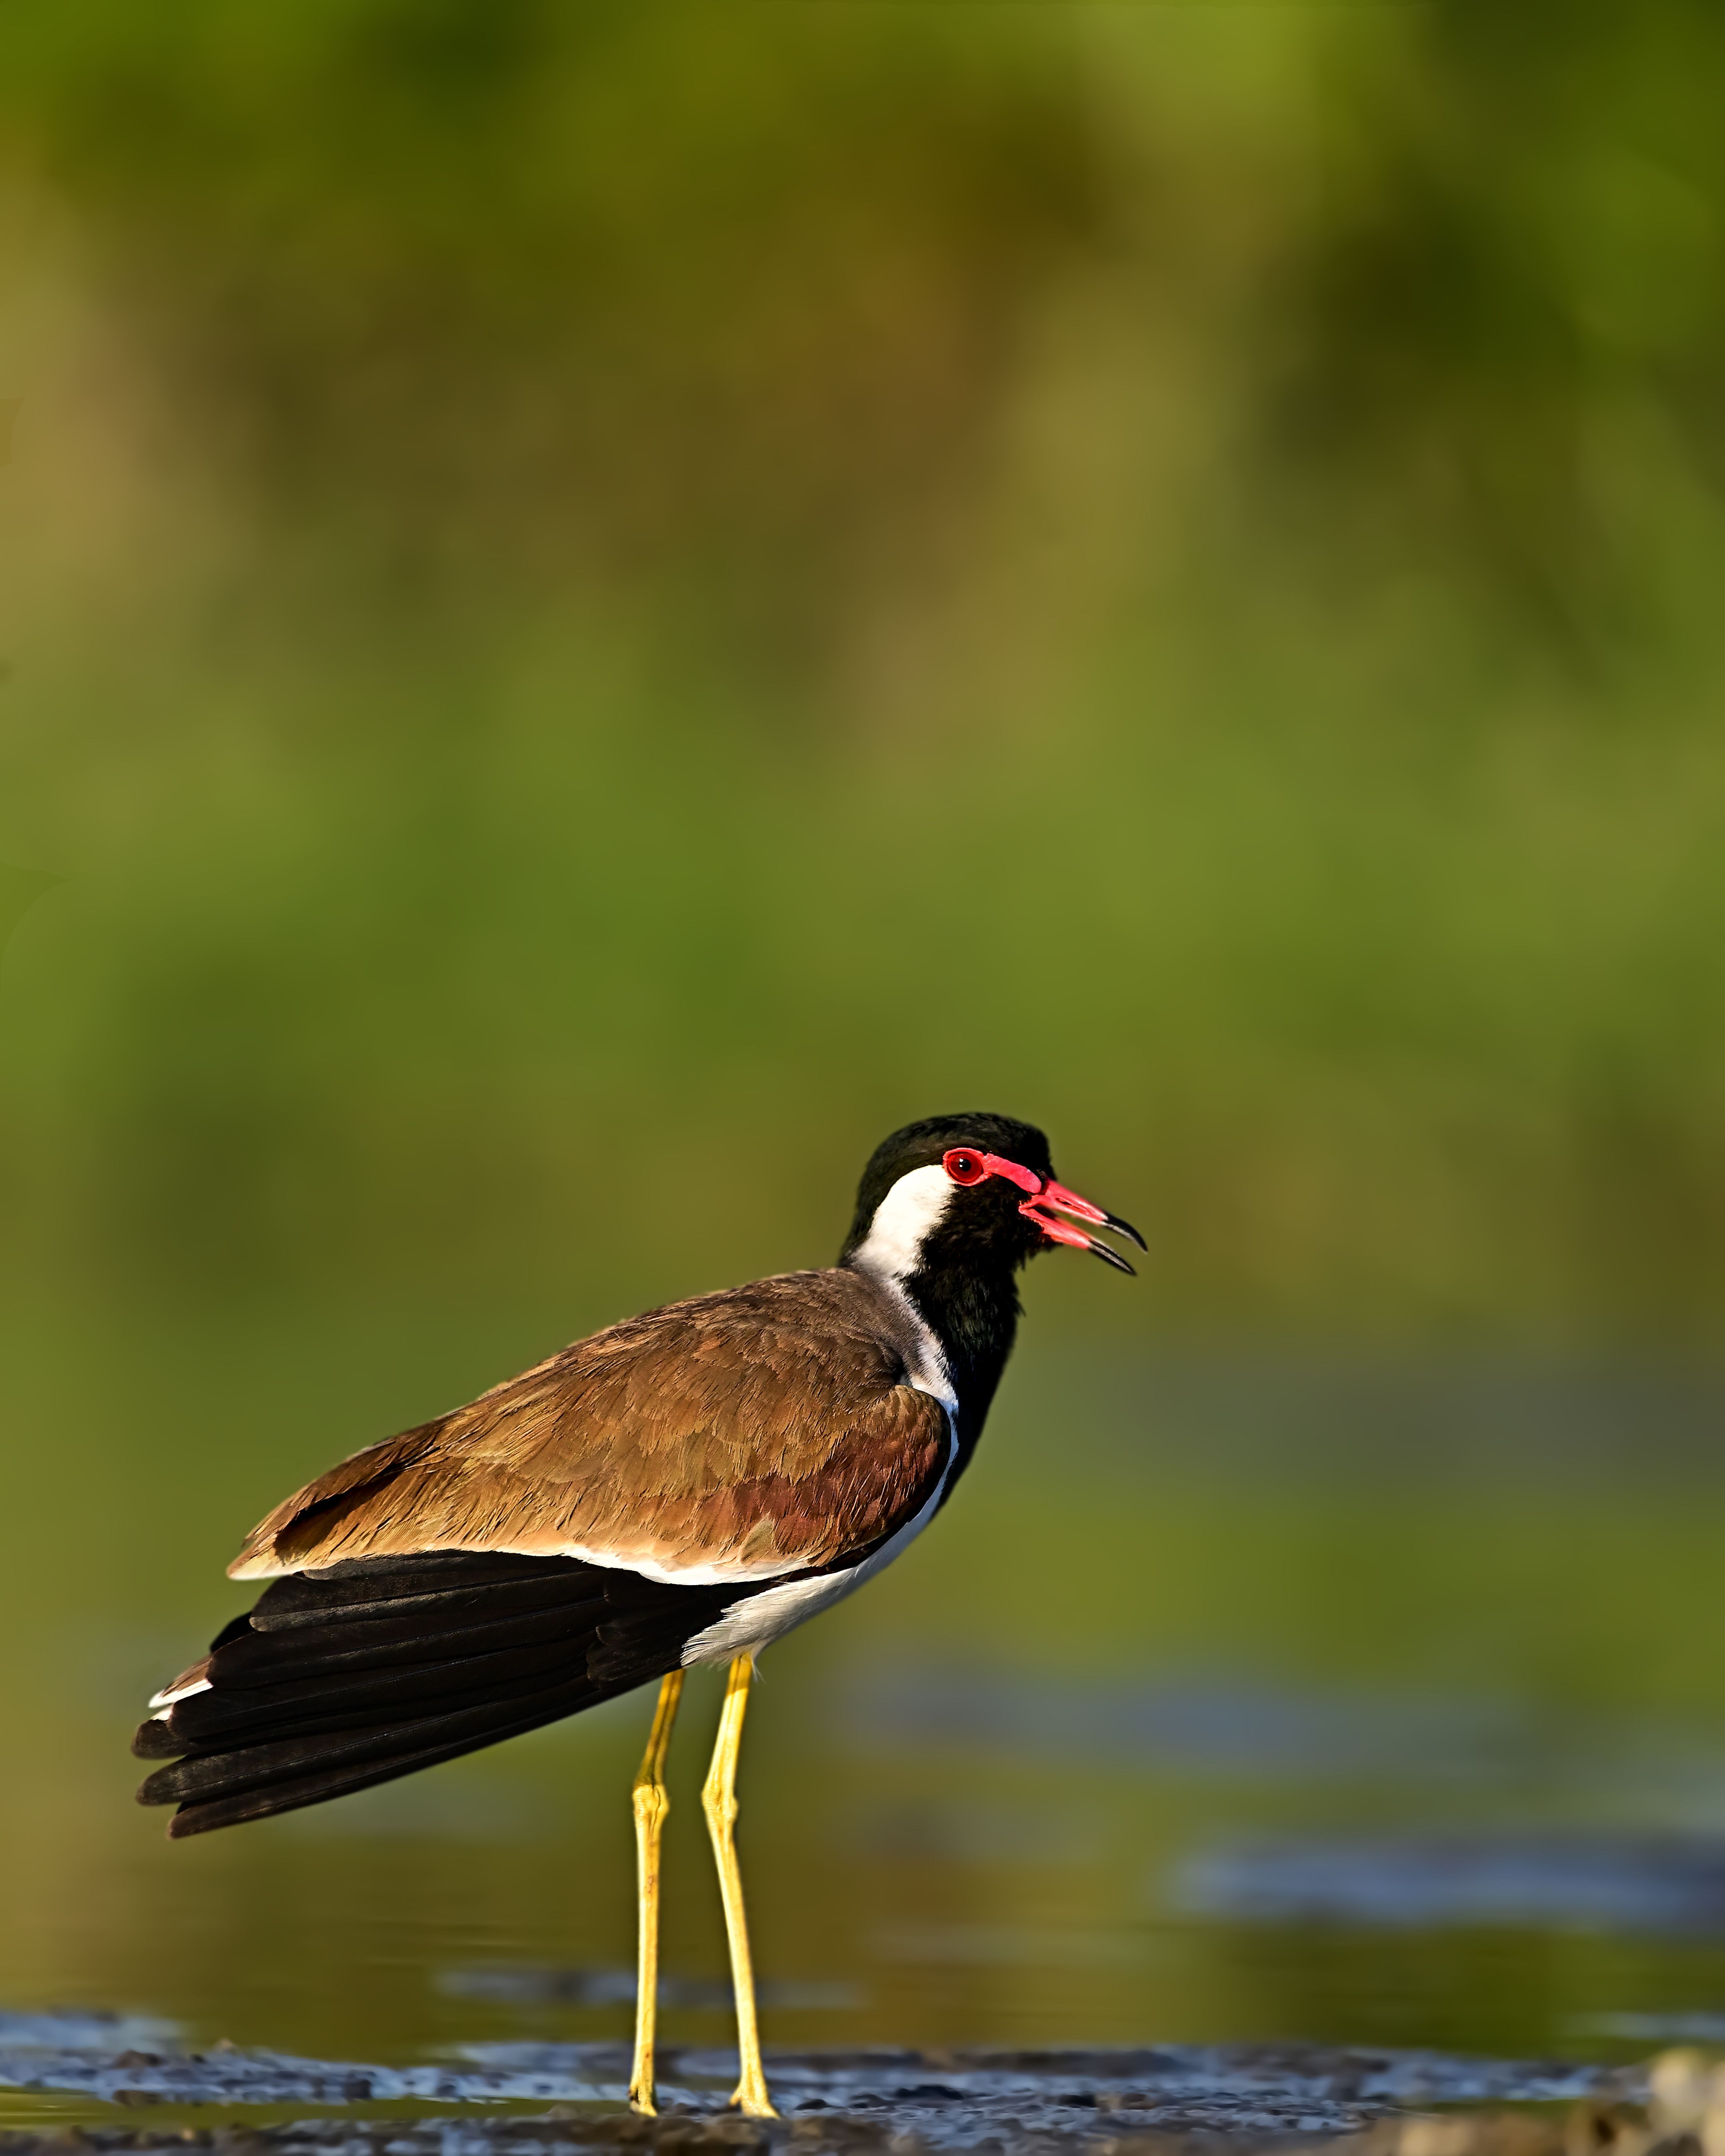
(949, 1210)
(974, 1193)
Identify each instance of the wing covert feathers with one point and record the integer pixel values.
(756, 1433)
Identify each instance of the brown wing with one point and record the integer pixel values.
(764, 1430)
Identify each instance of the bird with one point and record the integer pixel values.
(680, 1489)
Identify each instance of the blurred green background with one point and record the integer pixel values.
(601, 603)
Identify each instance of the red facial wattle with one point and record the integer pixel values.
(968, 1166)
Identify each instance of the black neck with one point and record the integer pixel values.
(973, 1313)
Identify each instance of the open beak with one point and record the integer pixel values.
(1054, 1198)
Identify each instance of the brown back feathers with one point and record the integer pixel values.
(767, 1429)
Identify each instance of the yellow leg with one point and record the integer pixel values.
(651, 1803)
(718, 1800)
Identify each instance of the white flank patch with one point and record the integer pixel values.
(732, 1575)
(669, 1575)
(749, 1625)
(904, 1219)
(163, 1700)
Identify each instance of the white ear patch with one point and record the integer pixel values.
(905, 1218)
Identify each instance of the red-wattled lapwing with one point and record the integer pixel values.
(682, 1488)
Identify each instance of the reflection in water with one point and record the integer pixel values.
(1183, 1724)
(1594, 1882)
(953, 1945)
(1232, 1730)
(616, 1987)
(977, 1832)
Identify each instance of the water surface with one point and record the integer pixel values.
(1235, 1698)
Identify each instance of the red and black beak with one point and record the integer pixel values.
(1054, 1198)
(1047, 1199)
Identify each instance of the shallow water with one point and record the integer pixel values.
(1235, 1700)
(953, 2098)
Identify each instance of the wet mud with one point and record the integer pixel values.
(501, 2097)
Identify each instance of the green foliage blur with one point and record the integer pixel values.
(602, 604)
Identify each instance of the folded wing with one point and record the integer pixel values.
(559, 1542)
(747, 1436)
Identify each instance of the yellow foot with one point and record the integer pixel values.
(753, 2102)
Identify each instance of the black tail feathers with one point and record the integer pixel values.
(339, 1679)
